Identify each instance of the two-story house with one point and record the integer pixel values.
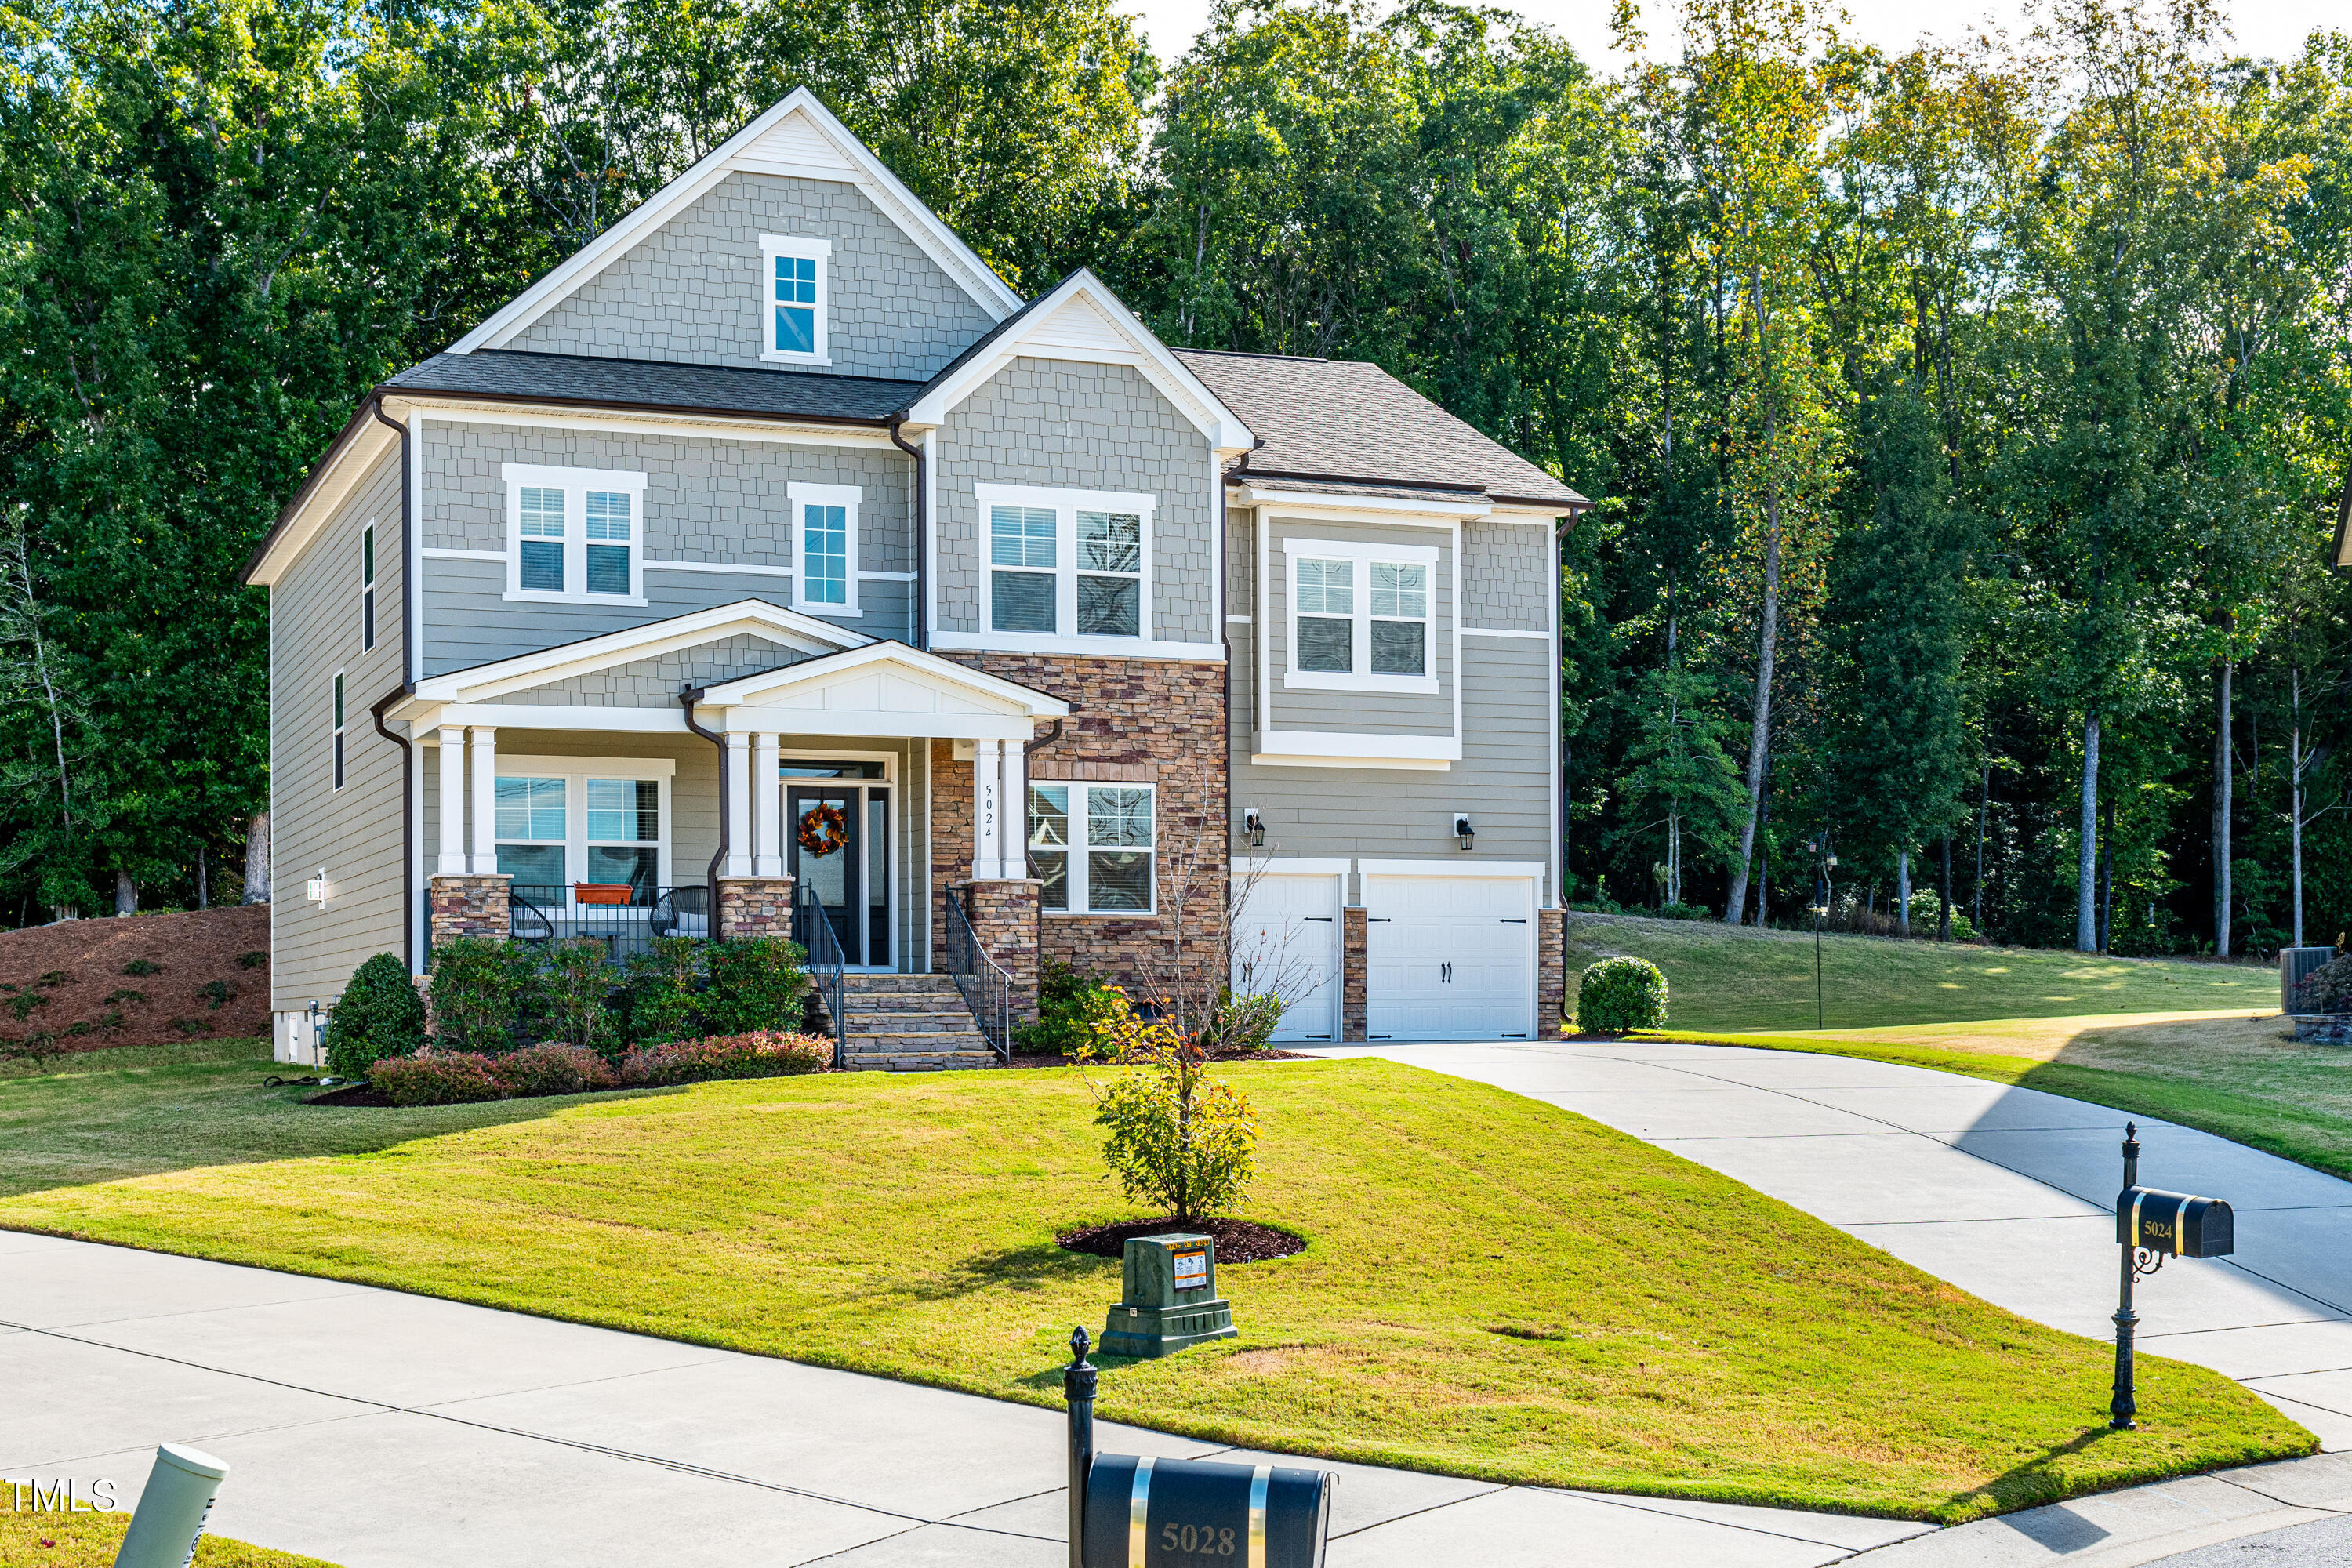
(771, 560)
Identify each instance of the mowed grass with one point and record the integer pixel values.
(1495, 1287)
(1724, 977)
(59, 1539)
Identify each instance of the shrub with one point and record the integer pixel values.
(143, 966)
(665, 984)
(575, 977)
(552, 1068)
(1927, 904)
(1069, 1001)
(1683, 912)
(253, 960)
(436, 1077)
(379, 1016)
(755, 985)
(478, 984)
(2329, 988)
(767, 1054)
(1246, 1021)
(1621, 993)
(1178, 1141)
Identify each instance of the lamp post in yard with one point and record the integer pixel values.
(1823, 866)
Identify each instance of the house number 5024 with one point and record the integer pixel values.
(1200, 1539)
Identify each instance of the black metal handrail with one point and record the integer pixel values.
(825, 959)
(987, 988)
(540, 912)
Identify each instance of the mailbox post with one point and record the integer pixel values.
(2150, 1226)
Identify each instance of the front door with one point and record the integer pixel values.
(839, 835)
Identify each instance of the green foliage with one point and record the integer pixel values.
(477, 989)
(756, 985)
(1177, 1140)
(1621, 993)
(664, 986)
(551, 1067)
(2329, 988)
(379, 1017)
(143, 966)
(574, 978)
(770, 1053)
(1069, 1003)
(437, 1077)
(1244, 1021)
(257, 959)
(1927, 908)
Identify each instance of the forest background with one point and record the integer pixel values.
(1970, 430)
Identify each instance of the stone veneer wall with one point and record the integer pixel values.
(755, 906)
(1004, 917)
(1355, 932)
(1157, 721)
(1551, 973)
(470, 906)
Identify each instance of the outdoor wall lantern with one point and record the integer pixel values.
(1254, 825)
(1463, 834)
(315, 889)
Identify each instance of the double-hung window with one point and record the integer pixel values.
(531, 832)
(1361, 615)
(624, 831)
(339, 729)
(367, 587)
(565, 820)
(793, 304)
(824, 547)
(1067, 563)
(1093, 845)
(575, 534)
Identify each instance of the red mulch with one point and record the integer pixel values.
(1238, 1240)
(194, 950)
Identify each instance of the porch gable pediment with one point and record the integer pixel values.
(882, 688)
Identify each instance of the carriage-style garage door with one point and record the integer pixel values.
(1287, 940)
(1450, 957)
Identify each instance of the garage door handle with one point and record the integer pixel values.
(1381, 920)
(1520, 921)
(1447, 977)
(1324, 920)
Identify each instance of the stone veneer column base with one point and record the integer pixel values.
(1551, 973)
(1004, 917)
(754, 906)
(1354, 1013)
(470, 905)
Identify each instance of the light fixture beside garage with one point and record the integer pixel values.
(1463, 834)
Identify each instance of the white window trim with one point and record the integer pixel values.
(1078, 884)
(798, 495)
(820, 250)
(1365, 555)
(339, 696)
(367, 588)
(1065, 506)
(576, 772)
(575, 484)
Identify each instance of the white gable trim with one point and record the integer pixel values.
(1083, 320)
(799, 136)
(786, 628)
(882, 689)
(345, 466)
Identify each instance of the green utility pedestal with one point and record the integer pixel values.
(1168, 1297)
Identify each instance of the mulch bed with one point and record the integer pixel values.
(359, 1094)
(1268, 1055)
(1238, 1240)
(56, 979)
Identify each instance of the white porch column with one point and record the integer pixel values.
(767, 847)
(987, 810)
(739, 804)
(486, 801)
(1016, 810)
(451, 861)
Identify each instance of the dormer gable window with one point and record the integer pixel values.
(793, 303)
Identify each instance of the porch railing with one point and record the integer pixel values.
(987, 989)
(626, 926)
(822, 939)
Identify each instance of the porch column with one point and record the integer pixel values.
(768, 847)
(1016, 810)
(451, 861)
(739, 804)
(486, 801)
(987, 810)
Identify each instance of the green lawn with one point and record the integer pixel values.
(1495, 1287)
(56, 1539)
(1725, 978)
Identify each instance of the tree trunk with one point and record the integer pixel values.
(1764, 849)
(126, 893)
(2086, 869)
(203, 886)
(1944, 915)
(257, 859)
(1976, 894)
(2294, 794)
(1759, 732)
(1903, 892)
(2223, 780)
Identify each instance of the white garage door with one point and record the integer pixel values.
(1450, 958)
(1288, 941)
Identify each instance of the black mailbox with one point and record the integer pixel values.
(1191, 1513)
(2175, 1224)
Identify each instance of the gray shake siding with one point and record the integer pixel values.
(1510, 575)
(1070, 425)
(691, 291)
(1378, 713)
(354, 831)
(657, 683)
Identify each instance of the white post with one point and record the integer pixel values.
(767, 846)
(452, 862)
(486, 802)
(739, 804)
(987, 810)
(1016, 810)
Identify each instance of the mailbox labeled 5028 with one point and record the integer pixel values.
(2179, 1225)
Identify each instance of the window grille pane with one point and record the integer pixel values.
(1054, 871)
(636, 864)
(1397, 647)
(538, 867)
(338, 759)
(824, 541)
(339, 702)
(1049, 816)
(608, 515)
(1020, 536)
(1119, 814)
(796, 328)
(541, 567)
(529, 808)
(624, 811)
(608, 568)
(1326, 644)
(367, 556)
(1023, 601)
(1398, 590)
(1109, 606)
(367, 620)
(795, 279)
(1327, 587)
(1110, 542)
(543, 512)
(1120, 880)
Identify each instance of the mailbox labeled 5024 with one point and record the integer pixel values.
(2180, 1224)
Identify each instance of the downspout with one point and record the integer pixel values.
(1225, 638)
(918, 621)
(408, 845)
(685, 700)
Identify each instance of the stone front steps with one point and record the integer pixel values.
(909, 1023)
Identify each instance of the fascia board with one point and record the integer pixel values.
(1293, 503)
(345, 464)
(751, 689)
(786, 627)
(491, 410)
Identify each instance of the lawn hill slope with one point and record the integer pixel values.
(29, 1539)
(1493, 1288)
(87, 984)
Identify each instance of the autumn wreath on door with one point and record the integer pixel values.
(825, 827)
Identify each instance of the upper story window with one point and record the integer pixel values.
(793, 304)
(1361, 615)
(367, 587)
(1067, 562)
(575, 534)
(825, 548)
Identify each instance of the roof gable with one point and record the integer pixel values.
(788, 629)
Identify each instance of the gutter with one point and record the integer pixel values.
(917, 621)
(685, 700)
(407, 821)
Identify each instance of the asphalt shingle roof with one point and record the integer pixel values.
(650, 384)
(1348, 419)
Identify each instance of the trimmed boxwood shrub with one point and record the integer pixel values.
(1621, 993)
(380, 1015)
(768, 1054)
